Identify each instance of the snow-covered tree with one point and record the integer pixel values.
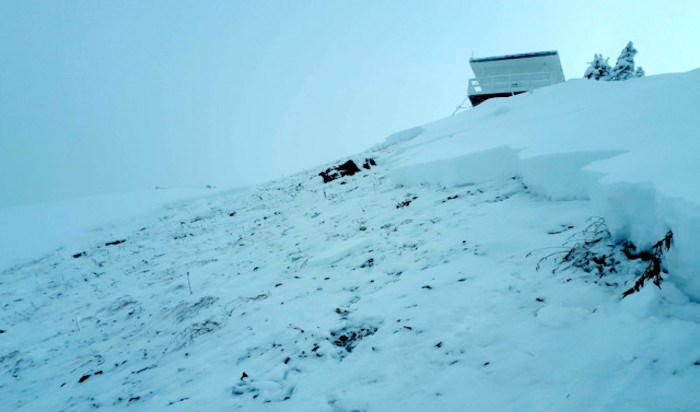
(599, 68)
(624, 68)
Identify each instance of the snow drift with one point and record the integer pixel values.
(631, 147)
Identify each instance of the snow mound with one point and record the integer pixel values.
(631, 147)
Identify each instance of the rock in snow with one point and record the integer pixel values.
(496, 285)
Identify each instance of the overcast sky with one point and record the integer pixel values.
(100, 97)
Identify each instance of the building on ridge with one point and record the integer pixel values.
(503, 76)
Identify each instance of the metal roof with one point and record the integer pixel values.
(513, 56)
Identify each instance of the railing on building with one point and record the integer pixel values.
(510, 83)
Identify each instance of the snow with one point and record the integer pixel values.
(630, 146)
(33, 230)
(430, 281)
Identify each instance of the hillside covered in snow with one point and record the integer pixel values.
(538, 252)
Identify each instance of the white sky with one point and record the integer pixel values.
(100, 97)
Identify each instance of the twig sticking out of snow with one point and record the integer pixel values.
(593, 251)
(585, 251)
(653, 271)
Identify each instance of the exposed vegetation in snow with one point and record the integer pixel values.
(475, 263)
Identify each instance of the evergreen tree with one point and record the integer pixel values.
(624, 68)
(639, 72)
(599, 68)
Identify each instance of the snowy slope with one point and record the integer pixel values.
(31, 231)
(633, 147)
(392, 289)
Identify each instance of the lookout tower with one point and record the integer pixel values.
(502, 76)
